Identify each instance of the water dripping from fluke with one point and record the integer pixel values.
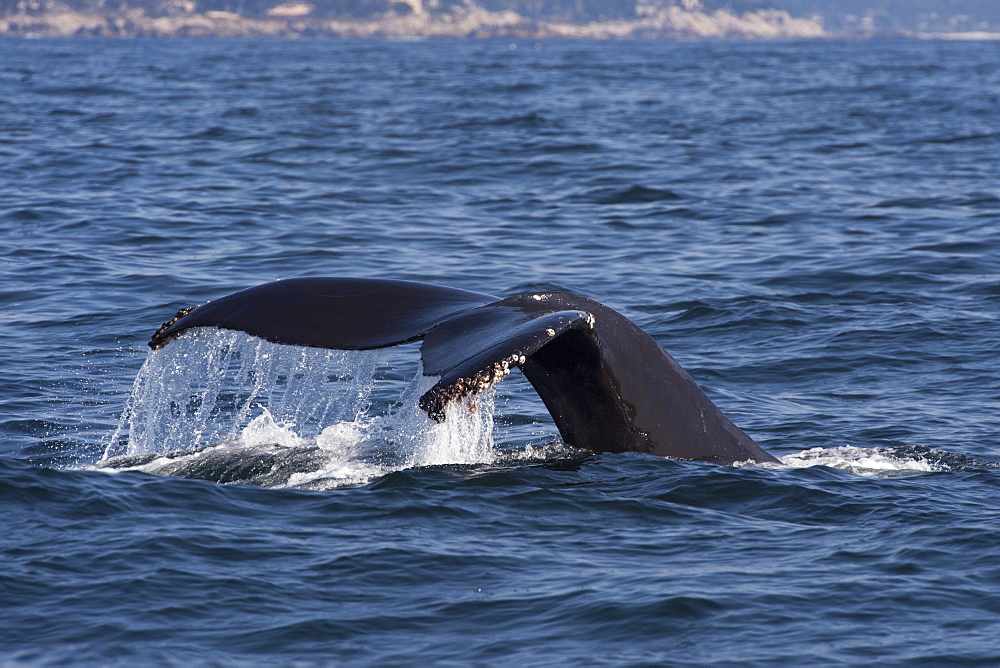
(224, 406)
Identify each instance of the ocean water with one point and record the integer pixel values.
(812, 229)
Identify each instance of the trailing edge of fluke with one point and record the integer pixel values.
(608, 385)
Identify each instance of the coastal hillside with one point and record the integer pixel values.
(529, 19)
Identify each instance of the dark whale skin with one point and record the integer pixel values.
(608, 385)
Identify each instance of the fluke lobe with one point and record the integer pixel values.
(608, 385)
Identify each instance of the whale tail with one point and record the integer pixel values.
(609, 386)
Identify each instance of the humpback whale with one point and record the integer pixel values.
(609, 386)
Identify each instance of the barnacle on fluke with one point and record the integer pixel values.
(436, 399)
(608, 385)
(160, 341)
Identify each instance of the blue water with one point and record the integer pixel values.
(811, 228)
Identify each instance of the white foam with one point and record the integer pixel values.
(342, 437)
(868, 462)
(345, 462)
(264, 430)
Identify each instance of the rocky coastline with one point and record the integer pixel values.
(295, 20)
(514, 19)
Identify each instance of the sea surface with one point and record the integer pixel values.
(812, 229)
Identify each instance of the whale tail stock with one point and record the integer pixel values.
(609, 386)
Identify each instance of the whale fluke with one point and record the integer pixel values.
(609, 386)
(340, 313)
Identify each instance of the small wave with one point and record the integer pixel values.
(528, 120)
(81, 91)
(245, 111)
(635, 194)
(213, 132)
(25, 215)
(952, 139)
(975, 200)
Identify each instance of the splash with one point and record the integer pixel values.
(224, 406)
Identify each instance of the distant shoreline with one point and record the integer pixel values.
(291, 20)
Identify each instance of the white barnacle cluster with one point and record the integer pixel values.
(435, 400)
